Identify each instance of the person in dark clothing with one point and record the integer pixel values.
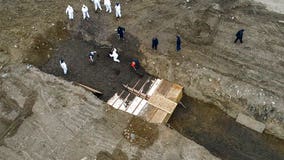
(120, 32)
(239, 35)
(155, 43)
(178, 47)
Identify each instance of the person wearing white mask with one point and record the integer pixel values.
(70, 12)
(85, 12)
(63, 66)
(114, 55)
(107, 3)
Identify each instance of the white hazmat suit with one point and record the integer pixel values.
(97, 4)
(70, 12)
(107, 3)
(85, 12)
(114, 55)
(117, 10)
(63, 66)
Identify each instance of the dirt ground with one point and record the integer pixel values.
(246, 78)
(104, 74)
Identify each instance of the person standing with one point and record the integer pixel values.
(63, 66)
(92, 56)
(107, 3)
(85, 12)
(178, 46)
(120, 32)
(117, 11)
(70, 12)
(97, 4)
(155, 43)
(239, 36)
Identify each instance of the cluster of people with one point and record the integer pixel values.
(97, 3)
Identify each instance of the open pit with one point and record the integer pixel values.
(202, 122)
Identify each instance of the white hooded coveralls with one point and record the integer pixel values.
(63, 66)
(70, 12)
(114, 55)
(117, 11)
(107, 3)
(85, 12)
(97, 4)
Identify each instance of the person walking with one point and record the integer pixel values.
(85, 12)
(178, 45)
(120, 32)
(117, 10)
(97, 4)
(63, 66)
(239, 36)
(70, 12)
(155, 43)
(107, 3)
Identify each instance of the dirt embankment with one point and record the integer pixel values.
(68, 122)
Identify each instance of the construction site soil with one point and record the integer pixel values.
(104, 74)
(202, 122)
(238, 78)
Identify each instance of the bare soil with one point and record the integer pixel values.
(104, 74)
(245, 78)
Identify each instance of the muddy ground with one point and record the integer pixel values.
(104, 74)
(221, 135)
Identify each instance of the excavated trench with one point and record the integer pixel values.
(204, 123)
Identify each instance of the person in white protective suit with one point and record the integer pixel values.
(107, 3)
(117, 10)
(70, 12)
(85, 12)
(97, 4)
(63, 66)
(114, 55)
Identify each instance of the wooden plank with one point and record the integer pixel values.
(149, 112)
(161, 102)
(135, 92)
(164, 87)
(87, 88)
(250, 123)
(175, 93)
(159, 116)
